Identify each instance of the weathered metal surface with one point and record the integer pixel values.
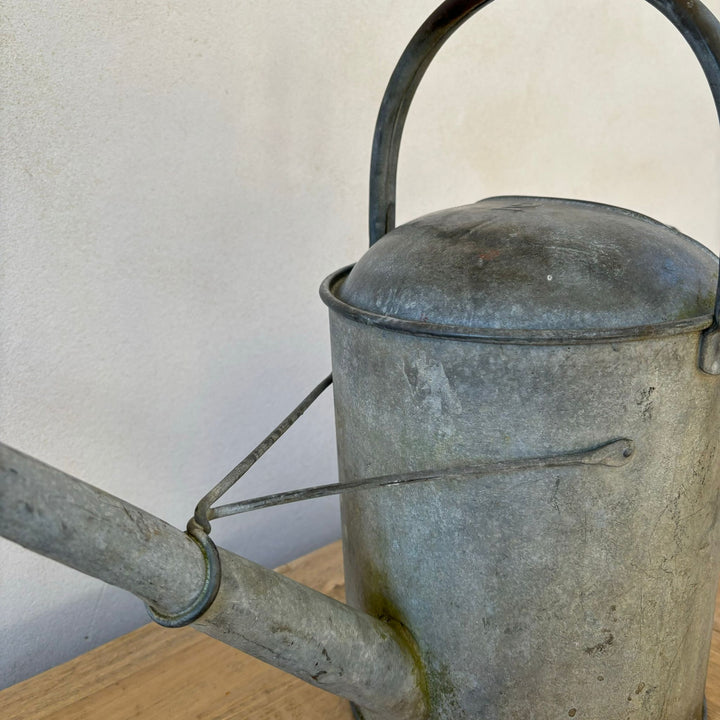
(532, 270)
(256, 610)
(575, 591)
(47, 511)
(710, 350)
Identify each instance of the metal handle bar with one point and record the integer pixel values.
(696, 23)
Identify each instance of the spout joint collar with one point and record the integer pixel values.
(209, 589)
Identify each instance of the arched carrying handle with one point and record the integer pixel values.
(696, 23)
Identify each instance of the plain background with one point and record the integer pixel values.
(176, 180)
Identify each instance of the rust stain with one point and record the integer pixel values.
(488, 255)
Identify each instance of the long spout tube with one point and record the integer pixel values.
(260, 612)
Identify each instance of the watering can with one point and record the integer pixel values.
(527, 396)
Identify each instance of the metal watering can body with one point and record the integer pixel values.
(532, 328)
(585, 590)
(527, 399)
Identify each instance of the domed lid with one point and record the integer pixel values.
(531, 269)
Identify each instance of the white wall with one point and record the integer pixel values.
(177, 178)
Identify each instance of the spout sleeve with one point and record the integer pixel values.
(260, 612)
(55, 515)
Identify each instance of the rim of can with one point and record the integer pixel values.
(515, 336)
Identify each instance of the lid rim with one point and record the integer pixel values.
(514, 336)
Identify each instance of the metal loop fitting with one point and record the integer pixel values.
(209, 589)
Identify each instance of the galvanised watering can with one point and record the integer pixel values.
(527, 398)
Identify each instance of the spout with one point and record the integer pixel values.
(260, 612)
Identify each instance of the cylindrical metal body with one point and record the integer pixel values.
(583, 592)
(520, 328)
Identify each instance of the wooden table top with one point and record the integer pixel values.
(154, 673)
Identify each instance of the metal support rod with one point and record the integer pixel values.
(263, 613)
(614, 453)
(201, 517)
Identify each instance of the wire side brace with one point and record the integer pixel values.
(203, 511)
(198, 527)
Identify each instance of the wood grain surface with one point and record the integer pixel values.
(158, 674)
